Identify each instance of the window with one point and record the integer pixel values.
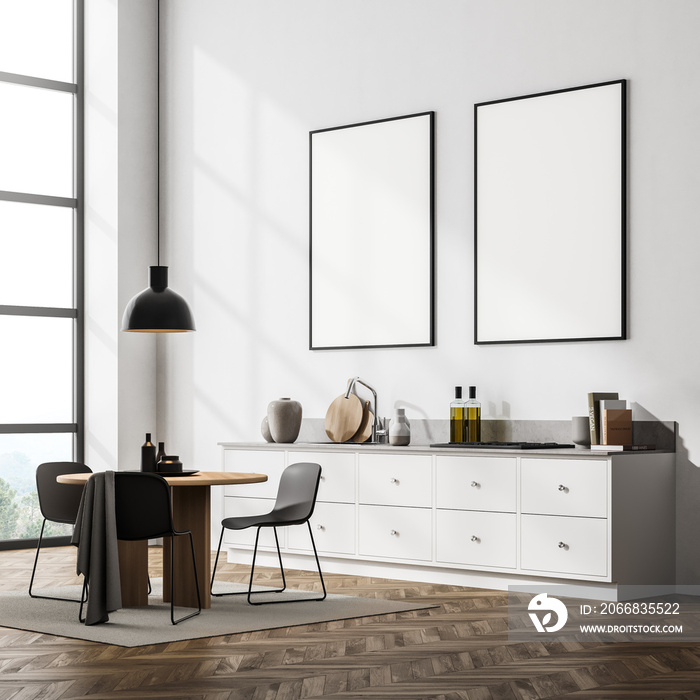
(41, 254)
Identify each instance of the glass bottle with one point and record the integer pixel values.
(148, 455)
(457, 417)
(472, 417)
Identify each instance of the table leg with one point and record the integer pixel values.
(191, 511)
(133, 572)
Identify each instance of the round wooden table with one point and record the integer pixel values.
(191, 499)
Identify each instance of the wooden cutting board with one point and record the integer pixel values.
(364, 432)
(343, 418)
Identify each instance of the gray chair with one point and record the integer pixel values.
(296, 498)
(58, 503)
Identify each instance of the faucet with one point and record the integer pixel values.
(377, 425)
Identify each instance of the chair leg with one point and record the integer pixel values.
(172, 584)
(252, 569)
(36, 560)
(318, 563)
(216, 561)
(83, 600)
(279, 558)
(292, 600)
(252, 566)
(250, 584)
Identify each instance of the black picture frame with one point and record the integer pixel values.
(550, 216)
(372, 234)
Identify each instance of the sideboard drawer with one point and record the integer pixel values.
(395, 480)
(337, 474)
(333, 525)
(564, 487)
(250, 506)
(564, 545)
(476, 538)
(259, 462)
(395, 533)
(477, 483)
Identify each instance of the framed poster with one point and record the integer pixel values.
(371, 234)
(550, 216)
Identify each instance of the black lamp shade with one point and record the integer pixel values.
(158, 309)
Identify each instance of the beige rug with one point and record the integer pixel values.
(132, 627)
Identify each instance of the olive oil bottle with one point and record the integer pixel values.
(457, 417)
(472, 417)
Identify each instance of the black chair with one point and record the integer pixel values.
(58, 503)
(143, 512)
(296, 498)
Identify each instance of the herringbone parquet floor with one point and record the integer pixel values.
(458, 650)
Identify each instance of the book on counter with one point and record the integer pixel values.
(616, 423)
(594, 417)
(622, 448)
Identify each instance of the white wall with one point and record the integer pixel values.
(120, 232)
(245, 82)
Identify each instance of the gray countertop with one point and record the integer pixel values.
(312, 437)
(424, 449)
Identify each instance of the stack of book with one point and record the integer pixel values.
(611, 423)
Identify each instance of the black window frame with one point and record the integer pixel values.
(77, 311)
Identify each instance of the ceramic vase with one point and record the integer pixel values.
(265, 430)
(580, 431)
(400, 428)
(284, 419)
(169, 463)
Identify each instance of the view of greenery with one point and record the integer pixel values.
(20, 517)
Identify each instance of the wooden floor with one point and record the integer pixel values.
(458, 650)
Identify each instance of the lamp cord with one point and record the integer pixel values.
(158, 129)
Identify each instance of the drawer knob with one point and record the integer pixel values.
(394, 533)
(475, 538)
(393, 480)
(323, 478)
(320, 527)
(475, 484)
(563, 545)
(562, 487)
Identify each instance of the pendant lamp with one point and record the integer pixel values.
(158, 309)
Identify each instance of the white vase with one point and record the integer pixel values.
(265, 430)
(400, 428)
(284, 419)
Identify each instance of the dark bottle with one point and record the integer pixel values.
(457, 417)
(148, 455)
(161, 452)
(472, 423)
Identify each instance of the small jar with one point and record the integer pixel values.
(400, 429)
(169, 463)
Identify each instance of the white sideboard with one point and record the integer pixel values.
(485, 518)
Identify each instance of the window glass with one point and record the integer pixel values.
(36, 38)
(38, 359)
(36, 255)
(36, 140)
(20, 454)
(36, 369)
